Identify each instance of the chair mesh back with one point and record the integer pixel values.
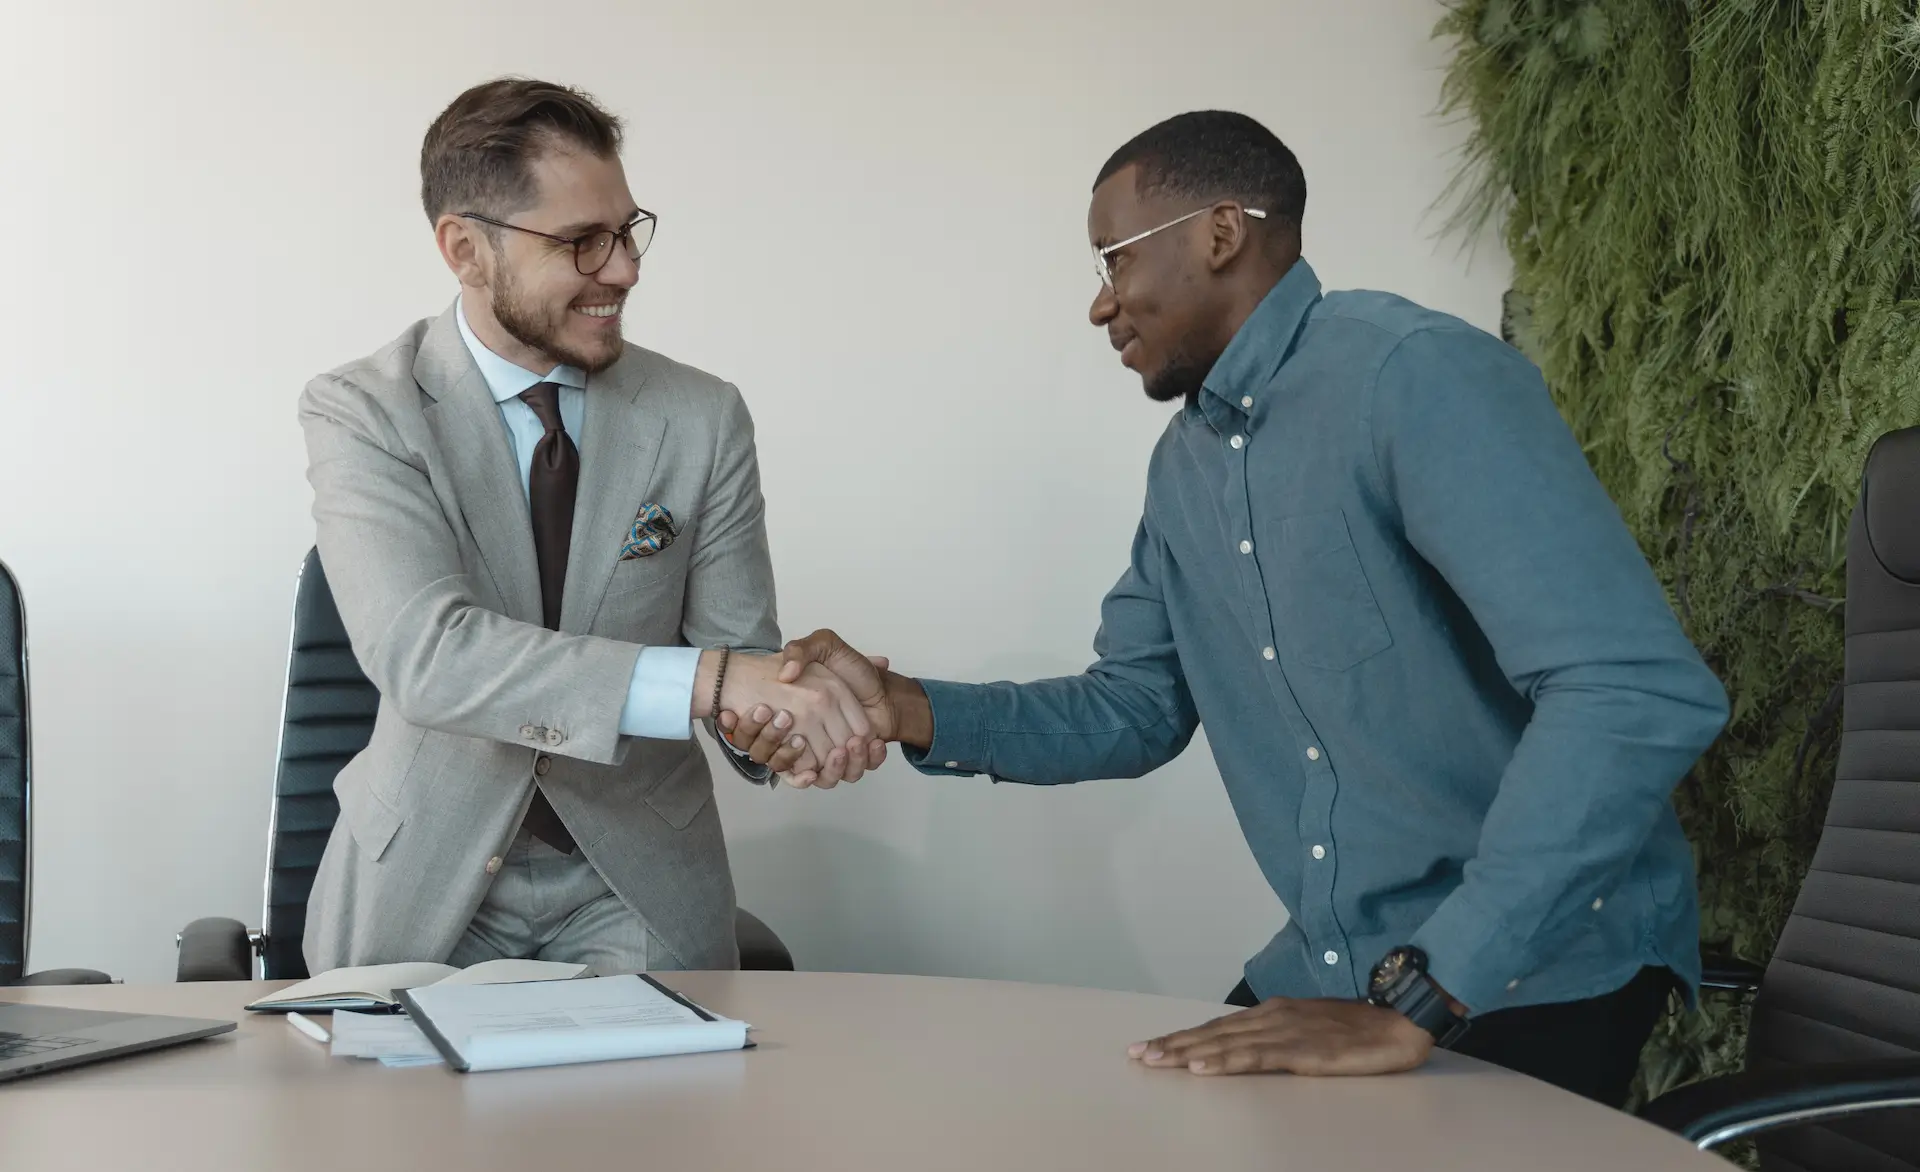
(13, 779)
(1844, 983)
(329, 717)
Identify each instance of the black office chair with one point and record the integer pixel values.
(16, 801)
(327, 718)
(1834, 1049)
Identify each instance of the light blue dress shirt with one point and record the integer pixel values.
(660, 698)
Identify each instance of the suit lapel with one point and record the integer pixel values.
(486, 480)
(617, 462)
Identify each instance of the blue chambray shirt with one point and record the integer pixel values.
(1446, 694)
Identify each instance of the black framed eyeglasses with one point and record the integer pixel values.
(592, 250)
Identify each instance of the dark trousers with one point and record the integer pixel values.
(1589, 1047)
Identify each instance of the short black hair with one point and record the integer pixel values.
(1216, 154)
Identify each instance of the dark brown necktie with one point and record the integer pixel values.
(551, 486)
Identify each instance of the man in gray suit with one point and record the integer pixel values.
(542, 540)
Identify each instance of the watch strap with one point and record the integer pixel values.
(1421, 1003)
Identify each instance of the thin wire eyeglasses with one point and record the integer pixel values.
(1100, 255)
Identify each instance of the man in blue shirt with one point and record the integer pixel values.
(1446, 695)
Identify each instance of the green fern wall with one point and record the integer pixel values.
(1713, 208)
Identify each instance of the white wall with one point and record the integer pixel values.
(872, 220)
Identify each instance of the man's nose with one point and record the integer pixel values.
(1105, 306)
(621, 271)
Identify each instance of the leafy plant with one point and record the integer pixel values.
(1711, 207)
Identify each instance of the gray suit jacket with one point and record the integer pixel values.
(424, 530)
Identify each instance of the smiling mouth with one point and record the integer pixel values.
(611, 309)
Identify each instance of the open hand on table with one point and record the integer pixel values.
(1299, 1037)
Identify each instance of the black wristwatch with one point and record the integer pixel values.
(1400, 983)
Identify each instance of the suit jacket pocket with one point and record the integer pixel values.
(1325, 614)
(684, 791)
(639, 573)
(372, 821)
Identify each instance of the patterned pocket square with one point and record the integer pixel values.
(653, 530)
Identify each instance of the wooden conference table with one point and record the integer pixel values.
(852, 1073)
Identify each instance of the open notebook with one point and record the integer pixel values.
(507, 1027)
(372, 987)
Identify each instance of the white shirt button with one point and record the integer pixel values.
(1246, 400)
(1266, 653)
(1246, 547)
(1313, 753)
(1238, 442)
(1319, 852)
(1331, 957)
(1512, 985)
(493, 865)
(953, 765)
(1597, 903)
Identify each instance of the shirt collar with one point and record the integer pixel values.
(1263, 342)
(504, 379)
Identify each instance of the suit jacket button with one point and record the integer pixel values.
(541, 764)
(529, 733)
(493, 865)
(555, 736)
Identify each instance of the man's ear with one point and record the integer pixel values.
(465, 248)
(1229, 237)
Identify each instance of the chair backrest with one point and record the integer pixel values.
(16, 782)
(1844, 983)
(327, 718)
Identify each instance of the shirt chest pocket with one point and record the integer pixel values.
(1324, 613)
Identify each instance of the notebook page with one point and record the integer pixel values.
(365, 983)
(506, 972)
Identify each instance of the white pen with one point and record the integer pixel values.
(308, 1026)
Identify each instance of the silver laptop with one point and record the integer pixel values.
(36, 1038)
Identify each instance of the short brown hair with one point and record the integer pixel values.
(479, 152)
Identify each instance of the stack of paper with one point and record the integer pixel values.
(391, 1038)
(505, 1027)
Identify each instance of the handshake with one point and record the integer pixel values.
(820, 712)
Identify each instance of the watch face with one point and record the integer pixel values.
(1395, 969)
(1389, 971)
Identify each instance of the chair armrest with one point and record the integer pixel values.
(1717, 1110)
(760, 949)
(1728, 973)
(65, 977)
(215, 949)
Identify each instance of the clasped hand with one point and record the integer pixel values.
(813, 719)
(817, 714)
